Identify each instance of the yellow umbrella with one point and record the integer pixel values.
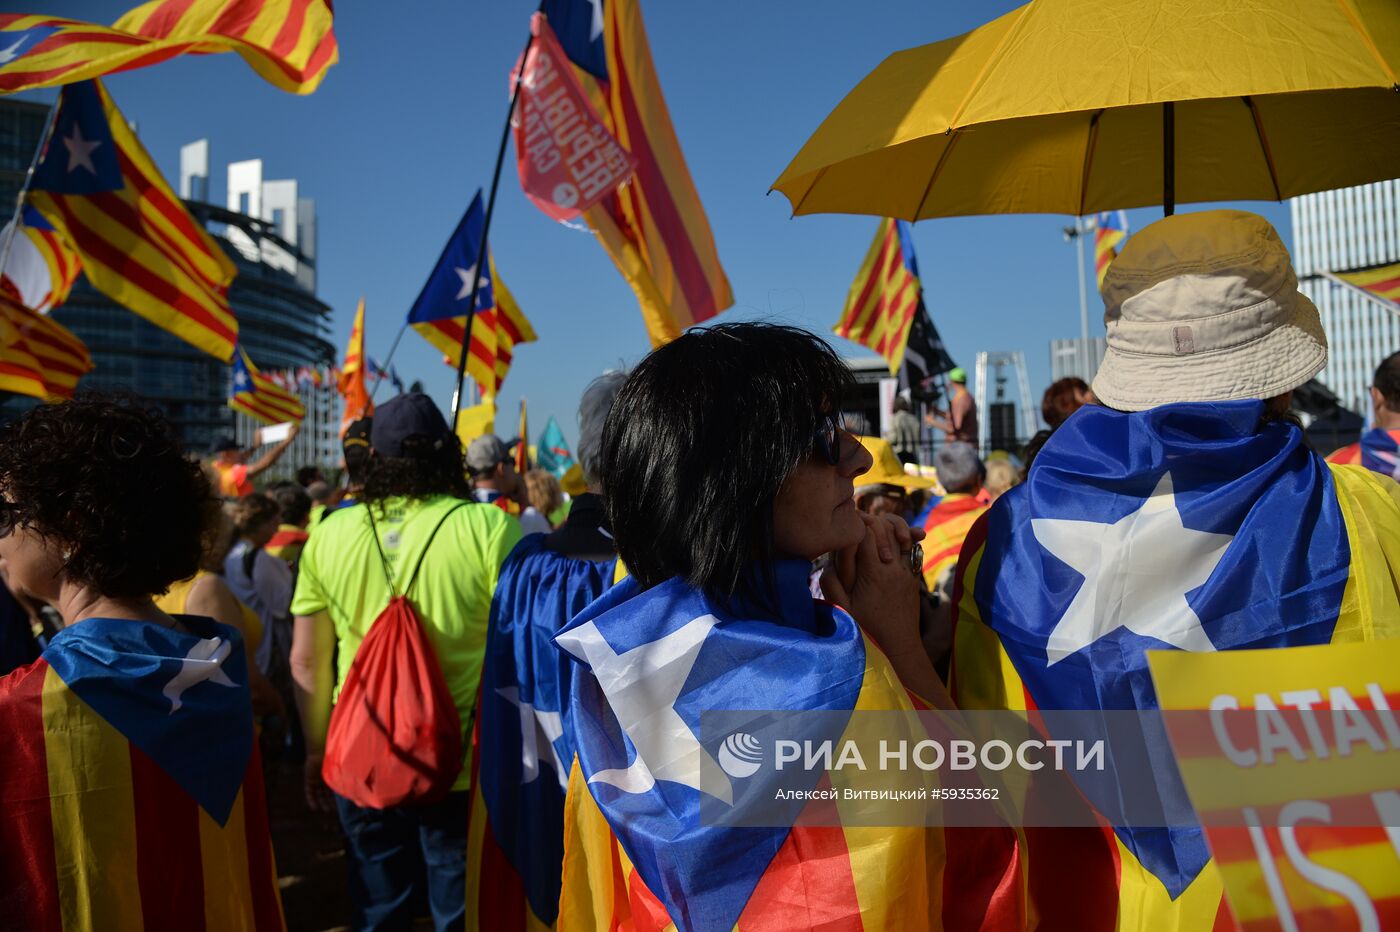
(1070, 106)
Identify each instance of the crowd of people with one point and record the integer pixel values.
(432, 615)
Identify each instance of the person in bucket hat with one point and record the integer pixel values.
(1185, 512)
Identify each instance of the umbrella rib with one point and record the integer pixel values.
(1264, 146)
(1088, 159)
(1369, 42)
(810, 188)
(937, 170)
(981, 78)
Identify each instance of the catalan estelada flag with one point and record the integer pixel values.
(131, 785)
(38, 355)
(40, 270)
(351, 382)
(258, 396)
(1110, 229)
(288, 42)
(1378, 450)
(1193, 527)
(515, 846)
(1383, 281)
(639, 853)
(439, 315)
(654, 226)
(885, 296)
(139, 245)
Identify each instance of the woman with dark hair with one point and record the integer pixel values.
(129, 775)
(726, 473)
(261, 581)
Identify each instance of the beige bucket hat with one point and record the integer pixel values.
(1205, 307)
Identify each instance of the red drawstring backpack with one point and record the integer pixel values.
(395, 736)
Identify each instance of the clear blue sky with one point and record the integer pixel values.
(404, 129)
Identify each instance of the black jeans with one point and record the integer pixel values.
(399, 854)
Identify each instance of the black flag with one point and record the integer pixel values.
(925, 359)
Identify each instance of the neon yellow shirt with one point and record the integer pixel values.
(341, 574)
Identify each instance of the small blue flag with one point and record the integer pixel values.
(552, 452)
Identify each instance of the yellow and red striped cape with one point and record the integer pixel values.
(39, 357)
(288, 42)
(495, 333)
(653, 227)
(909, 878)
(1089, 873)
(95, 835)
(138, 244)
(945, 529)
(261, 398)
(884, 297)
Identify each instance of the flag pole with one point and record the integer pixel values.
(388, 360)
(28, 177)
(481, 251)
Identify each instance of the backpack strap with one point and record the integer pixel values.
(384, 559)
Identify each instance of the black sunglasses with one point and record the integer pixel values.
(826, 442)
(10, 518)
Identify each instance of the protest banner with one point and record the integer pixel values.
(1291, 758)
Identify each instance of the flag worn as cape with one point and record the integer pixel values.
(515, 848)
(131, 786)
(1378, 450)
(637, 852)
(1190, 526)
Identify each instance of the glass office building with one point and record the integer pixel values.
(282, 324)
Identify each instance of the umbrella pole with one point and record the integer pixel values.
(1168, 158)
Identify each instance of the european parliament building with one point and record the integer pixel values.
(1334, 231)
(270, 234)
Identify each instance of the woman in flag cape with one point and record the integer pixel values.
(718, 509)
(129, 778)
(515, 846)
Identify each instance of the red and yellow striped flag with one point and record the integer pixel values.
(139, 245)
(41, 267)
(1110, 229)
(654, 226)
(259, 396)
(351, 382)
(1382, 281)
(38, 355)
(884, 297)
(288, 42)
(496, 331)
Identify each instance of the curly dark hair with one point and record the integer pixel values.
(429, 466)
(106, 477)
